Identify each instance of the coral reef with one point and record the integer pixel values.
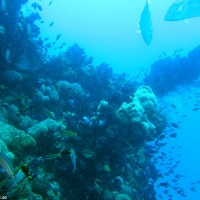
(72, 135)
(17, 141)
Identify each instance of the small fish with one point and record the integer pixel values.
(58, 155)
(173, 135)
(61, 46)
(73, 159)
(195, 109)
(172, 105)
(45, 39)
(164, 184)
(25, 169)
(58, 37)
(184, 116)
(175, 125)
(70, 133)
(48, 113)
(53, 156)
(36, 6)
(7, 165)
(51, 24)
(106, 168)
(8, 56)
(50, 3)
(65, 152)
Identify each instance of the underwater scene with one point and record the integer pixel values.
(99, 100)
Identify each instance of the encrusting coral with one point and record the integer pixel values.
(137, 112)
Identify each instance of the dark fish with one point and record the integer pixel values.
(172, 105)
(166, 192)
(173, 135)
(45, 39)
(58, 37)
(196, 109)
(50, 3)
(61, 46)
(161, 137)
(36, 6)
(66, 152)
(48, 45)
(174, 125)
(51, 24)
(59, 155)
(164, 184)
(25, 169)
(184, 116)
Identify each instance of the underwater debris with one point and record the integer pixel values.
(146, 23)
(183, 9)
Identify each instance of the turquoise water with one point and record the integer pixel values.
(109, 31)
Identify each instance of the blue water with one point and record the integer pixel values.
(109, 32)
